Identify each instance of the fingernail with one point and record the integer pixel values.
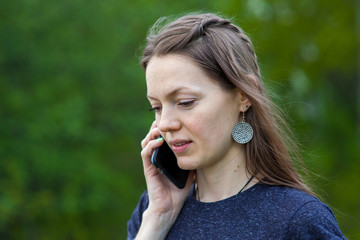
(159, 139)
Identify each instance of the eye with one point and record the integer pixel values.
(187, 103)
(156, 109)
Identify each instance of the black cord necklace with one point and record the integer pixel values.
(246, 184)
(197, 187)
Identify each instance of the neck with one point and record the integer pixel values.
(223, 180)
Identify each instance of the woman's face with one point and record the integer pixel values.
(193, 113)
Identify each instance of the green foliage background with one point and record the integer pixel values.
(73, 109)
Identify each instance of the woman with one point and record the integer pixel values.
(205, 87)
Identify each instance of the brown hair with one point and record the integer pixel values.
(224, 51)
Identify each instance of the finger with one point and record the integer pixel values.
(146, 153)
(146, 139)
(153, 125)
(152, 134)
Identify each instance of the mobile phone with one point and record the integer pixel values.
(164, 159)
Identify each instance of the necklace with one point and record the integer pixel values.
(197, 187)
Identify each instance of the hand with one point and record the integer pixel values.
(165, 199)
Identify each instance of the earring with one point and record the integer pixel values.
(242, 132)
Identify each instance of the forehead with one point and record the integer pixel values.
(170, 72)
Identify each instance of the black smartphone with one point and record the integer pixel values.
(164, 159)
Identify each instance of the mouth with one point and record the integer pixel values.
(180, 146)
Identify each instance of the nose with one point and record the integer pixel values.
(168, 121)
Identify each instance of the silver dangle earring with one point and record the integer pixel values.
(242, 132)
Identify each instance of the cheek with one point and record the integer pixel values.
(211, 127)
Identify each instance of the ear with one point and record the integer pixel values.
(244, 101)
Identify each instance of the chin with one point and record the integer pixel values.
(187, 163)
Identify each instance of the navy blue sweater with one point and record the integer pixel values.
(261, 212)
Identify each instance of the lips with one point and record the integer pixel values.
(180, 146)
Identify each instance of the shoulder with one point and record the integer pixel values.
(314, 219)
(276, 204)
(134, 223)
(279, 197)
(306, 216)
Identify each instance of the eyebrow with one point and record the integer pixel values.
(171, 93)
